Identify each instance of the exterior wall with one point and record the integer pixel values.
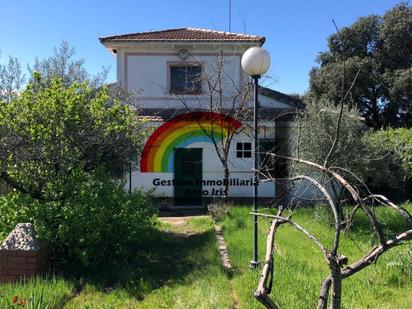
(144, 69)
(240, 170)
(149, 76)
(265, 101)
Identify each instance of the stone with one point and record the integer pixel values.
(22, 237)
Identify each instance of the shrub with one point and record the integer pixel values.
(94, 222)
(390, 166)
(47, 132)
(315, 132)
(218, 210)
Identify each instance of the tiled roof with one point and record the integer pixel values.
(183, 35)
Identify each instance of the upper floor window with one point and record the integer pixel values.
(186, 79)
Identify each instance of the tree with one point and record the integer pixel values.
(64, 66)
(11, 79)
(391, 170)
(48, 132)
(326, 152)
(336, 261)
(315, 130)
(379, 50)
(225, 96)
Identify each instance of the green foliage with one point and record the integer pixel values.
(218, 210)
(179, 268)
(63, 65)
(390, 167)
(96, 222)
(47, 132)
(11, 79)
(300, 267)
(316, 129)
(381, 49)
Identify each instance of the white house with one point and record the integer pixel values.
(175, 74)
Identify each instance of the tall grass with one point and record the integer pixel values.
(300, 267)
(180, 268)
(53, 292)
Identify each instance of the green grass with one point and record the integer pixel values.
(55, 291)
(180, 268)
(300, 267)
(179, 271)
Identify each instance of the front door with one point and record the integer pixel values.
(188, 176)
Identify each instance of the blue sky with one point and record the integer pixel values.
(295, 31)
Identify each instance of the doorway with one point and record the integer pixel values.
(188, 177)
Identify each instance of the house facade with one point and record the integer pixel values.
(194, 96)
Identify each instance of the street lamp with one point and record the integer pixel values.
(255, 62)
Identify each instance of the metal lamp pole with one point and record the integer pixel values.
(255, 62)
(255, 262)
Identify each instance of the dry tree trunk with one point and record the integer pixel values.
(262, 291)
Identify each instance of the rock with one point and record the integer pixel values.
(22, 237)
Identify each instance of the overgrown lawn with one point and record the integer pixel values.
(300, 267)
(180, 268)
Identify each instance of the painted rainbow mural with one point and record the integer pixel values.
(180, 132)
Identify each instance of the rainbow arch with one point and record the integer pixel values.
(180, 132)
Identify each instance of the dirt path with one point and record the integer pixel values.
(176, 221)
(180, 225)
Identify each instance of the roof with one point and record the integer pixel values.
(154, 117)
(284, 98)
(184, 35)
(268, 114)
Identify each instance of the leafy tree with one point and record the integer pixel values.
(315, 133)
(98, 224)
(48, 132)
(64, 66)
(382, 159)
(379, 50)
(391, 170)
(11, 79)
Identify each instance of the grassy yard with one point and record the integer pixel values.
(180, 268)
(300, 268)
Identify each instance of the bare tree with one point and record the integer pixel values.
(334, 259)
(225, 96)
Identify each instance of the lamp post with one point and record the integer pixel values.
(255, 62)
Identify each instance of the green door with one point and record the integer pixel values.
(188, 176)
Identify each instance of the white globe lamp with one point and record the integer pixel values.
(256, 61)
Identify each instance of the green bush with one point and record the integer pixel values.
(47, 132)
(94, 222)
(389, 166)
(315, 132)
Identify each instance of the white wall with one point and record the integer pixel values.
(240, 168)
(143, 68)
(148, 75)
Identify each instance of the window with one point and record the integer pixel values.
(244, 150)
(185, 79)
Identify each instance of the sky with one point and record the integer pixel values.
(295, 31)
